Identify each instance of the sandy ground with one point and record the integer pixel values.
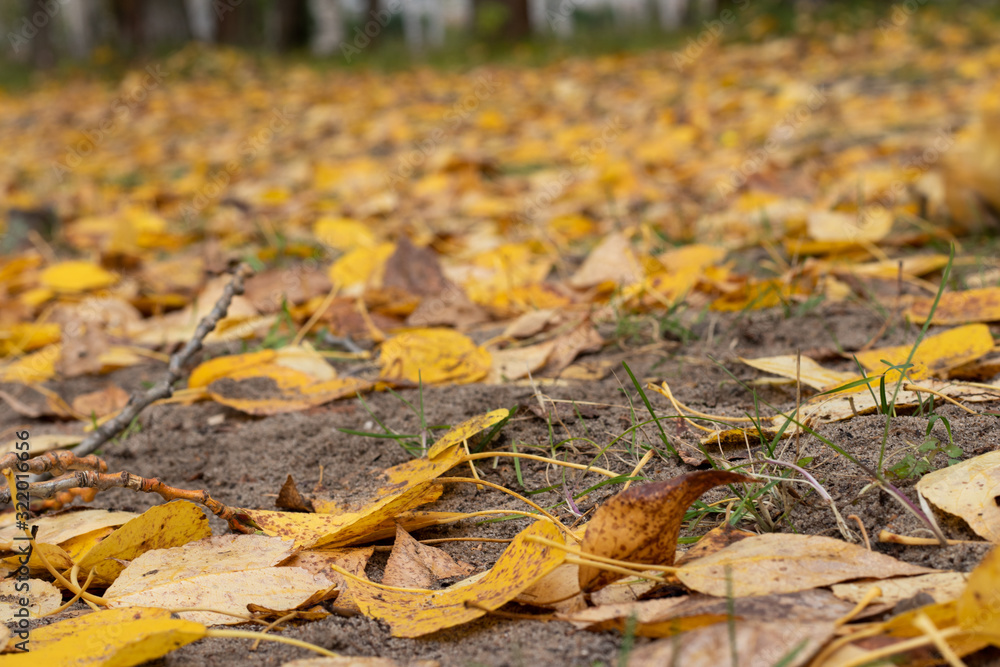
(243, 461)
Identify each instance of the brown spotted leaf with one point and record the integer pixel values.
(415, 565)
(642, 524)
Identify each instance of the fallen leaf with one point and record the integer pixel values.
(942, 586)
(289, 498)
(319, 561)
(58, 528)
(611, 261)
(785, 563)
(417, 613)
(714, 540)
(224, 572)
(974, 305)
(100, 403)
(810, 372)
(514, 363)
(264, 396)
(395, 490)
(643, 523)
(170, 525)
(936, 355)
(558, 590)
(108, 637)
(467, 431)
(415, 565)
(432, 356)
(789, 643)
(75, 277)
(665, 617)
(581, 339)
(42, 599)
(840, 226)
(969, 490)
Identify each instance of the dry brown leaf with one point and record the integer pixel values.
(611, 261)
(714, 540)
(318, 561)
(785, 563)
(415, 565)
(515, 363)
(789, 643)
(289, 498)
(101, 403)
(581, 339)
(559, 590)
(642, 524)
(942, 586)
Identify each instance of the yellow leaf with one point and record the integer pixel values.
(936, 355)
(300, 378)
(58, 528)
(225, 572)
(33, 368)
(466, 431)
(170, 525)
(692, 258)
(76, 276)
(839, 226)
(810, 372)
(56, 556)
(209, 371)
(974, 305)
(343, 234)
(27, 337)
(360, 268)
(417, 613)
(433, 356)
(785, 563)
(120, 637)
(969, 490)
(398, 488)
(978, 608)
(250, 397)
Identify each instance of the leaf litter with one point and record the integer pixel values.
(409, 304)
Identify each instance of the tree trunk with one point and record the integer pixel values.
(42, 53)
(503, 20)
